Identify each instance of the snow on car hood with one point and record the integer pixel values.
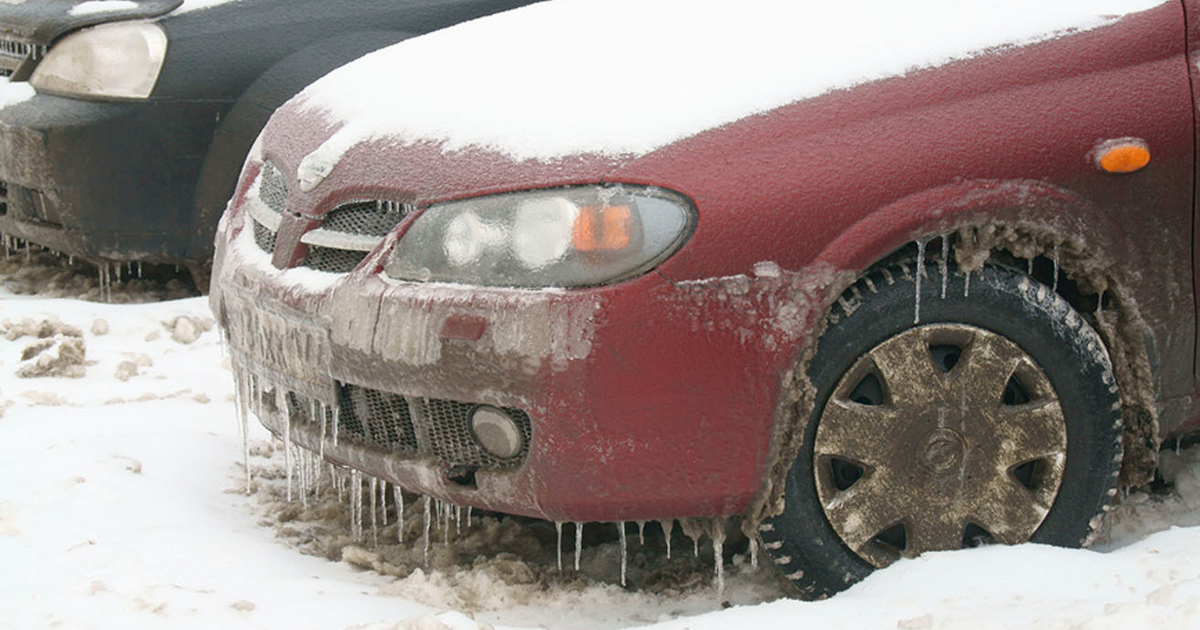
(45, 21)
(624, 77)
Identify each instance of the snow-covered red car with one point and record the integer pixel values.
(877, 278)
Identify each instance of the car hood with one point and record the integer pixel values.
(43, 21)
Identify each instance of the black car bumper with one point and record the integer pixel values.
(106, 182)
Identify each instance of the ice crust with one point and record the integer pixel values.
(624, 77)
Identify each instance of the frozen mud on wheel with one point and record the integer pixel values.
(993, 418)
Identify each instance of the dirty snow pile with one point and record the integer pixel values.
(124, 505)
(624, 77)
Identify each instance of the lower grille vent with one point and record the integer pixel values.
(409, 426)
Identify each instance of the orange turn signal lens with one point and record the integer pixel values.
(602, 229)
(1123, 156)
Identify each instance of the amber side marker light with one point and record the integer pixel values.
(1124, 155)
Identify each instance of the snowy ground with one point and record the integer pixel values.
(123, 505)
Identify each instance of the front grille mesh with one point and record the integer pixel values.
(410, 427)
(359, 218)
(272, 188)
(374, 218)
(264, 237)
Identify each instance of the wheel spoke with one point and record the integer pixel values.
(983, 371)
(853, 432)
(866, 509)
(908, 370)
(935, 530)
(1010, 512)
(1033, 431)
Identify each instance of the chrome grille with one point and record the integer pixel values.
(411, 427)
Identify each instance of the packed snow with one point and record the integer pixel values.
(13, 93)
(102, 6)
(196, 5)
(628, 76)
(126, 507)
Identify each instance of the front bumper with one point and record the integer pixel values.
(106, 181)
(643, 400)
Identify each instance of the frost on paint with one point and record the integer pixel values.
(684, 83)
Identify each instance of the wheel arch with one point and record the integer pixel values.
(241, 125)
(1020, 223)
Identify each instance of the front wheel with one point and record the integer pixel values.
(994, 417)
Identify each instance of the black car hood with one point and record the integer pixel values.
(43, 21)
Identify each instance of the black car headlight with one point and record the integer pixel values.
(565, 237)
(118, 60)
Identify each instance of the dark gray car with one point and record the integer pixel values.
(145, 109)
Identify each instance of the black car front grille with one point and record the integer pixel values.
(410, 427)
(14, 55)
(264, 237)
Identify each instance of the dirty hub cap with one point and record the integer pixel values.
(944, 436)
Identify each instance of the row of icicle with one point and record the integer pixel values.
(108, 273)
(306, 468)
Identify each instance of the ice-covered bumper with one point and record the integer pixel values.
(642, 400)
(105, 181)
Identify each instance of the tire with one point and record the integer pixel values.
(994, 418)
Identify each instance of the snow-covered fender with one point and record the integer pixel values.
(249, 114)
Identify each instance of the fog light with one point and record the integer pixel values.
(496, 432)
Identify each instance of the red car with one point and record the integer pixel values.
(874, 294)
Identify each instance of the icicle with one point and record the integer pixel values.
(718, 541)
(967, 286)
(336, 409)
(287, 451)
(241, 393)
(139, 269)
(427, 519)
(624, 551)
(383, 502)
(558, 528)
(399, 496)
(919, 274)
(374, 486)
(469, 508)
(944, 263)
(321, 447)
(641, 525)
(667, 527)
(304, 478)
(337, 483)
(1029, 267)
(578, 544)
(356, 502)
(753, 553)
(457, 520)
(1100, 303)
(446, 525)
(1055, 286)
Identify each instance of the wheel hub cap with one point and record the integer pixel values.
(943, 436)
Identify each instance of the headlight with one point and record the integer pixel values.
(120, 60)
(567, 237)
